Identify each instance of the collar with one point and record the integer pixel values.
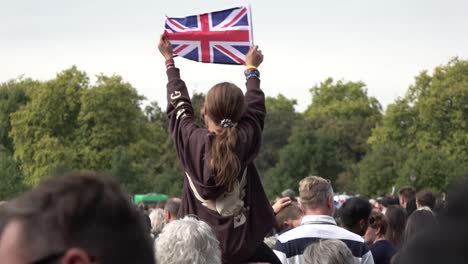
(318, 218)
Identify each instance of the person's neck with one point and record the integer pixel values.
(318, 211)
(379, 238)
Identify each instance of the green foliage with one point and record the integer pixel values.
(379, 170)
(66, 123)
(308, 152)
(11, 182)
(43, 131)
(430, 126)
(71, 125)
(12, 97)
(280, 119)
(345, 113)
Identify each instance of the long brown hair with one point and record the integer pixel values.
(396, 217)
(225, 101)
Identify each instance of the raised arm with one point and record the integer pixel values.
(254, 96)
(179, 105)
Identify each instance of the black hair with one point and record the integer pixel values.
(354, 210)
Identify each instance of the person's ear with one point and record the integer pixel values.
(302, 209)
(204, 109)
(167, 216)
(378, 231)
(330, 202)
(287, 224)
(76, 256)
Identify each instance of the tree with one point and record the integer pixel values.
(280, 119)
(10, 176)
(308, 152)
(430, 125)
(379, 170)
(12, 97)
(344, 112)
(43, 130)
(109, 118)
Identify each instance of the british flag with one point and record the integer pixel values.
(218, 37)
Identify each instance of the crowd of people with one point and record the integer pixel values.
(87, 218)
(223, 214)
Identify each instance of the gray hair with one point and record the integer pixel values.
(157, 220)
(173, 205)
(330, 251)
(187, 241)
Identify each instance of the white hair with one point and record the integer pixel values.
(329, 251)
(157, 220)
(187, 241)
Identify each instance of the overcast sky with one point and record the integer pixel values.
(384, 43)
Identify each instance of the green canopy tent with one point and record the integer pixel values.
(149, 198)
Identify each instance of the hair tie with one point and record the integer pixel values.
(227, 123)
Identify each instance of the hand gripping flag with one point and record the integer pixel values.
(218, 37)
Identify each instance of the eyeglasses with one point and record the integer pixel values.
(49, 258)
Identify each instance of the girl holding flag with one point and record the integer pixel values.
(221, 184)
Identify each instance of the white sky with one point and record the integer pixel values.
(384, 43)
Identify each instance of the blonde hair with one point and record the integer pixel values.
(314, 191)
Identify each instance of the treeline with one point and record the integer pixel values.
(48, 128)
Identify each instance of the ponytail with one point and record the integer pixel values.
(225, 164)
(225, 106)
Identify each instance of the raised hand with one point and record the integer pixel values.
(280, 204)
(254, 57)
(165, 47)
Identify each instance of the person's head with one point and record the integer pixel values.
(425, 198)
(171, 210)
(288, 217)
(418, 222)
(224, 107)
(354, 215)
(396, 218)
(79, 218)
(329, 251)
(405, 194)
(384, 203)
(187, 241)
(289, 193)
(377, 227)
(447, 243)
(157, 220)
(316, 196)
(143, 207)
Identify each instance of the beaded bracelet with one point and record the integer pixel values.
(252, 72)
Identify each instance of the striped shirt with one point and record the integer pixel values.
(290, 246)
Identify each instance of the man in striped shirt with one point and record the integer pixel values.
(316, 196)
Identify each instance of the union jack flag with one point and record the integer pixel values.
(218, 37)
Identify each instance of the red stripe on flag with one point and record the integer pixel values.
(234, 35)
(239, 60)
(236, 18)
(180, 48)
(204, 41)
(175, 23)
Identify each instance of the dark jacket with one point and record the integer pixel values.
(193, 144)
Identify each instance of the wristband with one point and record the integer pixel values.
(169, 62)
(251, 67)
(251, 72)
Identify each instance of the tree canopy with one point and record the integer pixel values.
(67, 123)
